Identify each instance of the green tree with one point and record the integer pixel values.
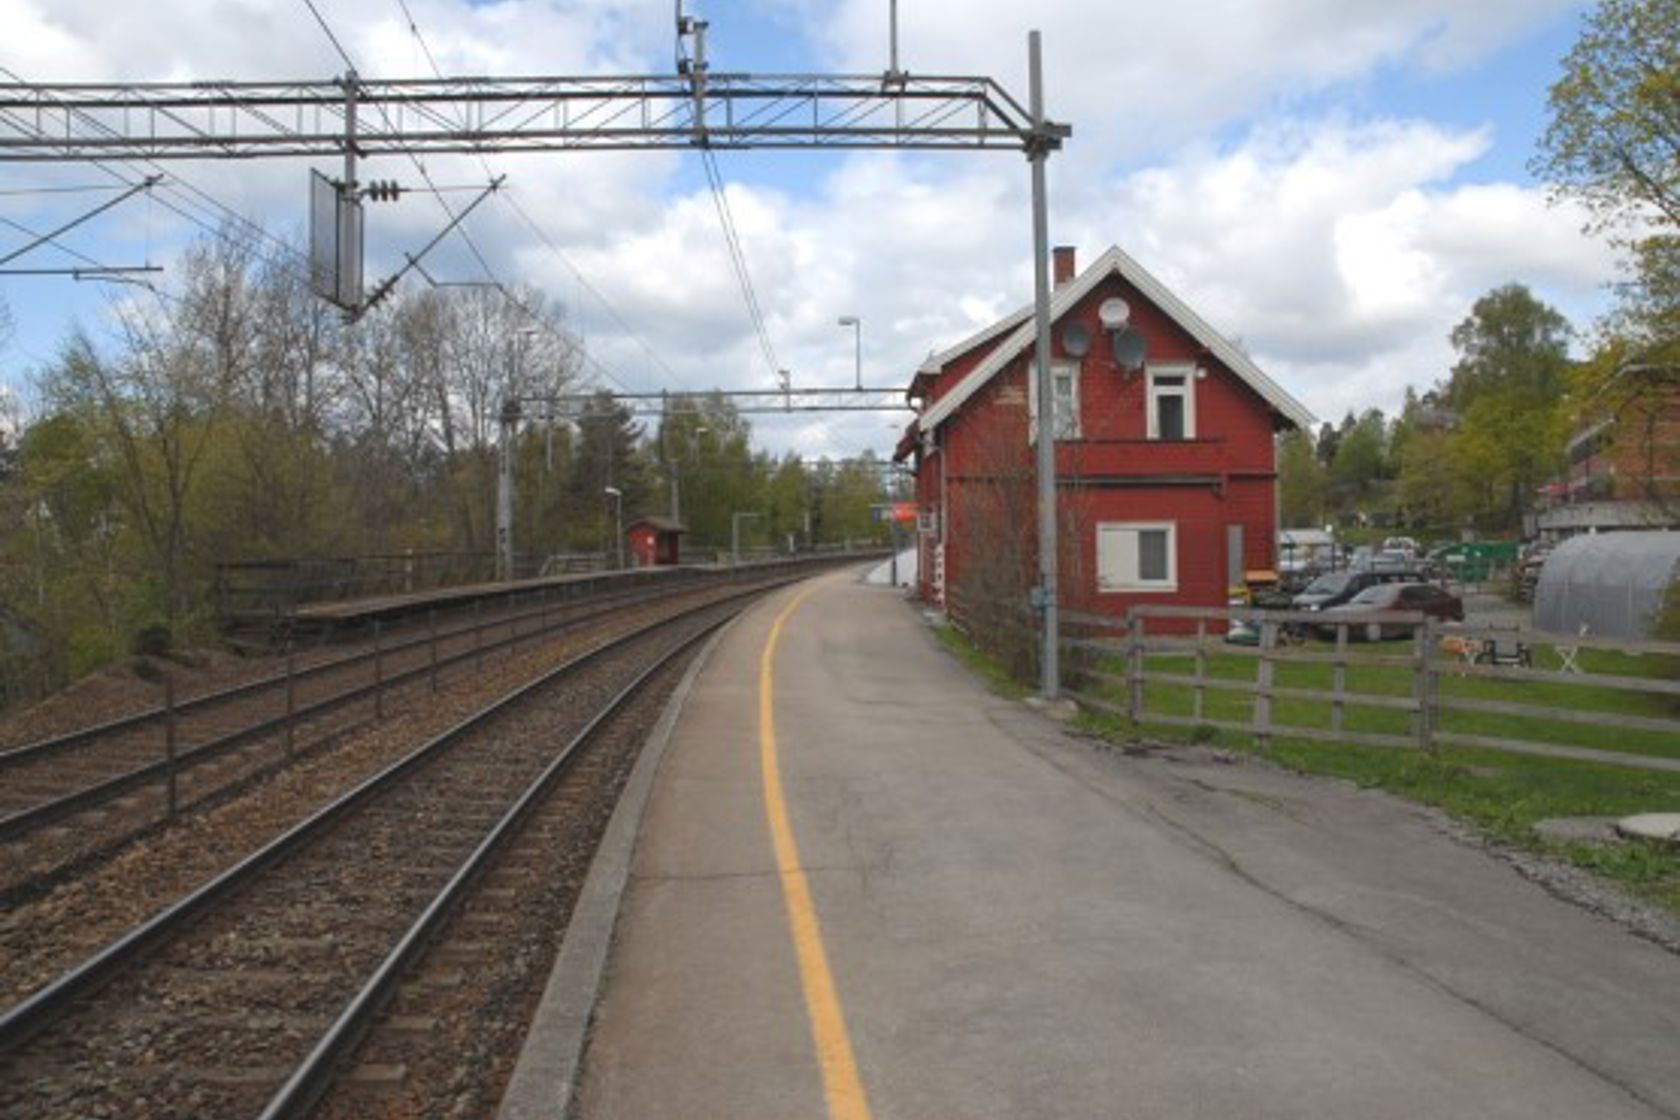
(1611, 143)
(1511, 343)
(1614, 131)
(1507, 388)
(1302, 480)
(1361, 461)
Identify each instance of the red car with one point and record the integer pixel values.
(1436, 602)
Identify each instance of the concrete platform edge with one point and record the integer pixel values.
(546, 1076)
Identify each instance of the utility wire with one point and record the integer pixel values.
(587, 357)
(738, 259)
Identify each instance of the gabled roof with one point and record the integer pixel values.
(1063, 299)
(658, 524)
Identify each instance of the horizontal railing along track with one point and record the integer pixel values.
(54, 744)
(91, 796)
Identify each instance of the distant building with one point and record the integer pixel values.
(654, 541)
(1624, 463)
(1165, 451)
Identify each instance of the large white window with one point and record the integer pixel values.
(1137, 556)
(1172, 402)
(1065, 379)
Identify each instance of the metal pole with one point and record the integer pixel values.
(734, 540)
(504, 491)
(169, 736)
(431, 627)
(892, 55)
(857, 351)
(1050, 676)
(378, 672)
(291, 698)
(618, 529)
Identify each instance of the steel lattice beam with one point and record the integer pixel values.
(244, 120)
(574, 406)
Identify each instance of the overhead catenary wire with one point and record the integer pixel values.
(543, 236)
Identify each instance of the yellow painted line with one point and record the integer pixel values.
(841, 1086)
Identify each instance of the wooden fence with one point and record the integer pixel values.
(1436, 650)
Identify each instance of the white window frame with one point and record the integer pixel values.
(1068, 371)
(1124, 564)
(1187, 391)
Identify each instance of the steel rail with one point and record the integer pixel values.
(41, 748)
(24, 1019)
(314, 1074)
(91, 796)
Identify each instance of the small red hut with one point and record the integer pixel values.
(653, 541)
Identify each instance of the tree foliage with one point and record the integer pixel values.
(237, 419)
(1614, 127)
(1612, 144)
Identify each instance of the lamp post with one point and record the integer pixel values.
(617, 496)
(857, 343)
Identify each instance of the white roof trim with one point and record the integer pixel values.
(939, 361)
(1064, 298)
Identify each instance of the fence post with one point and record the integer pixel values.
(1338, 680)
(291, 697)
(1424, 688)
(1201, 669)
(431, 627)
(169, 737)
(1263, 686)
(478, 638)
(1134, 665)
(378, 672)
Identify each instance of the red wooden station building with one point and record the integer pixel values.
(1166, 472)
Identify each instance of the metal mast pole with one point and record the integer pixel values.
(504, 490)
(1050, 675)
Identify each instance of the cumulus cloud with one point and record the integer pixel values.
(1340, 250)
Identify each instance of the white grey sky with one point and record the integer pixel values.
(1330, 181)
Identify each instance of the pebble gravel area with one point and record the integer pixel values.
(46, 935)
(32, 863)
(210, 1023)
(446, 1045)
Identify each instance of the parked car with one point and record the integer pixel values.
(1436, 602)
(1332, 589)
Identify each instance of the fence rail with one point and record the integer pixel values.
(1115, 673)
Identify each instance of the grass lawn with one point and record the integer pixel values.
(1501, 793)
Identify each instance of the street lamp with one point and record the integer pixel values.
(617, 496)
(857, 342)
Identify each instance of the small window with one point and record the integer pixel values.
(1137, 556)
(1065, 385)
(1172, 402)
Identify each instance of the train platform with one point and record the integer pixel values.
(864, 885)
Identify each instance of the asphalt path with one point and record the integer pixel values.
(1019, 922)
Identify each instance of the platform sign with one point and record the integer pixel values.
(901, 512)
(335, 243)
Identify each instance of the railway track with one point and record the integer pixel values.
(76, 797)
(247, 996)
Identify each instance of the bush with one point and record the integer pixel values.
(151, 640)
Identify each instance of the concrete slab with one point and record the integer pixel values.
(1021, 924)
(1651, 826)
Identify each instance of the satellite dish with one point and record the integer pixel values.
(1076, 340)
(1129, 349)
(1114, 313)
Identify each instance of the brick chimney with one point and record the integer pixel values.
(1062, 265)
